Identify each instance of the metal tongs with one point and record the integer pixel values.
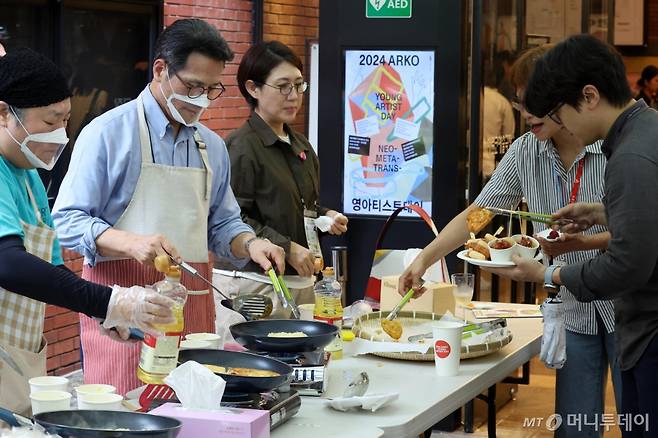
(535, 217)
(282, 290)
(250, 306)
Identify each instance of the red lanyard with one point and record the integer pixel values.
(576, 183)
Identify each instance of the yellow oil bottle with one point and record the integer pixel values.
(159, 355)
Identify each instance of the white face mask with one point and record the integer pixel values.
(202, 102)
(58, 136)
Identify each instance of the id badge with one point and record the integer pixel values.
(311, 233)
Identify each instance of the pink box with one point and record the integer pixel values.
(227, 422)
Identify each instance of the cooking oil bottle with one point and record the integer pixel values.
(159, 355)
(329, 308)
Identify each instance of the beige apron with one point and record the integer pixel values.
(168, 200)
(22, 346)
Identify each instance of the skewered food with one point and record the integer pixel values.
(478, 218)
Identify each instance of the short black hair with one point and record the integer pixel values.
(560, 75)
(259, 61)
(187, 36)
(648, 73)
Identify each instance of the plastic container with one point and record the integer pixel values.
(48, 401)
(94, 388)
(213, 339)
(329, 308)
(159, 355)
(48, 383)
(100, 402)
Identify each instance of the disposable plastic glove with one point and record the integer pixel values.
(138, 307)
(553, 343)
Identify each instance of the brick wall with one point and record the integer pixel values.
(62, 330)
(293, 22)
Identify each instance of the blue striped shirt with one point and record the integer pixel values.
(532, 169)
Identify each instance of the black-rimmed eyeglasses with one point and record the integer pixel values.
(552, 114)
(286, 89)
(194, 91)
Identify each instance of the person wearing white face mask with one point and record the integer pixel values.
(34, 109)
(145, 177)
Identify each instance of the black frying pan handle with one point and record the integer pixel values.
(9, 417)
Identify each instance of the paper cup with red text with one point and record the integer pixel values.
(447, 342)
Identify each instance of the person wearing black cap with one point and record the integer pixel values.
(34, 108)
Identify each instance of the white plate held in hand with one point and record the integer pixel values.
(488, 263)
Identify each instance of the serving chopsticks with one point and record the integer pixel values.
(534, 217)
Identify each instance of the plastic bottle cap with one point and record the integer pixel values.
(347, 335)
(173, 272)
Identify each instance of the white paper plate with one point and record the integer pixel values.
(488, 263)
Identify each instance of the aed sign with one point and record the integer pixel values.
(388, 8)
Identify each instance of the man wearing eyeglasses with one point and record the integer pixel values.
(148, 177)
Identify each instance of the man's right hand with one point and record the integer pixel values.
(301, 259)
(145, 249)
(583, 214)
(412, 277)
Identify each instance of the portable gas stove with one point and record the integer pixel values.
(282, 405)
(309, 375)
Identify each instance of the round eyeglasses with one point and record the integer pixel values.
(286, 89)
(194, 91)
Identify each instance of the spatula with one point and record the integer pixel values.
(260, 301)
(390, 325)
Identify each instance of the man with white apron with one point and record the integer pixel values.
(164, 185)
(32, 135)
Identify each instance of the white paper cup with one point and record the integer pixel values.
(192, 344)
(502, 255)
(47, 401)
(100, 402)
(524, 251)
(48, 383)
(306, 311)
(214, 339)
(94, 388)
(447, 336)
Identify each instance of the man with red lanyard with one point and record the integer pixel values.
(550, 167)
(147, 177)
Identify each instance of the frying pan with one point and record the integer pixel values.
(242, 360)
(88, 424)
(253, 335)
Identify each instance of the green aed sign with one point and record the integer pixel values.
(388, 8)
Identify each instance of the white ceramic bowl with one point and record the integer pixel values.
(47, 401)
(49, 383)
(524, 251)
(95, 388)
(213, 338)
(100, 402)
(190, 344)
(502, 255)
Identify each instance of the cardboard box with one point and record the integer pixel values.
(225, 423)
(438, 297)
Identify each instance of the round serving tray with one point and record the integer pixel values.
(368, 327)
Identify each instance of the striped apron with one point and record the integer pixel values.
(168, 200)
(22, 346)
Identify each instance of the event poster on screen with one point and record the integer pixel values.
(388, 139)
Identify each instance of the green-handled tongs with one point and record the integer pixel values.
(534, 217)
(282, 290)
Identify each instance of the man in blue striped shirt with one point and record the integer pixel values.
(543, 166)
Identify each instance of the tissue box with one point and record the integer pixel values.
(438, 297)
(225, 423)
